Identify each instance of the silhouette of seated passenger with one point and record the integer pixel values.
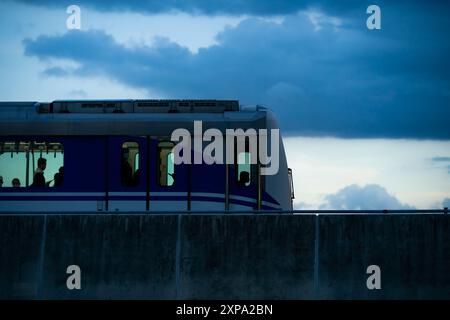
(244, 178)
(15, 183)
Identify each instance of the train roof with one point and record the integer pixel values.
(124, 117)
(126, 106)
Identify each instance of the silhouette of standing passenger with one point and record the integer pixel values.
(38, 178)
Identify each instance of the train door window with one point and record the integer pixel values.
(130, 164)
(166, 164)
(31, 163)
(244, 169)
(136, 161)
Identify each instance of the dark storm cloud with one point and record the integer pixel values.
(232, 7)
(210, 7)
(349, 82)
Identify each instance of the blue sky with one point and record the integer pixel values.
(381, 93)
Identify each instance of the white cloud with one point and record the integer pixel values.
(368, 197)
(319, 19)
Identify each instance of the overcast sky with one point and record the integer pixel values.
(366, 111)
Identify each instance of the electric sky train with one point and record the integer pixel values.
(117, 156)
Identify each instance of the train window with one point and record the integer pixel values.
(136, 161)
(130, 164)
(13, 163)
(31, 164)
(166, 165)
(243, 169)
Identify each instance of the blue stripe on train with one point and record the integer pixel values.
(132, 198)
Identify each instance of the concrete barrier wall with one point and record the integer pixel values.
(224, 256)
(412, 251)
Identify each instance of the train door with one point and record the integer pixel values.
(126, 181)
(208, 185)
(169, 183)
